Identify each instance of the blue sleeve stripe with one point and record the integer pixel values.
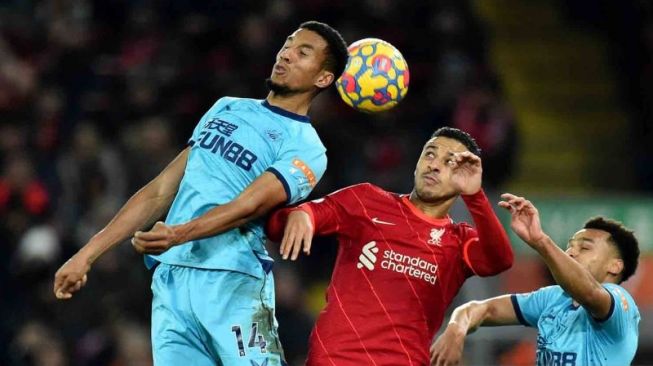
(610, 312)
(520, 316)
(283, 181)
(191, 142)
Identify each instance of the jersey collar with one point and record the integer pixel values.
(417, 212)
(285, 113)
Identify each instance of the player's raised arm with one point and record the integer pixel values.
(490, 253)
(142, 209)
(567, 272)
(448, 348)
(264, 193)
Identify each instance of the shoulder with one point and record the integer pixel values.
(365, 194)
(621, 296)
(550, 293)
(360, 190)
(369, 188)
(234, 102)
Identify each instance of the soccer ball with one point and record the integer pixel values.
(376, 76)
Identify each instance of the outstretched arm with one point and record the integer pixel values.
(264, 193)
(141, 210)
(568, 273)
(448, 348)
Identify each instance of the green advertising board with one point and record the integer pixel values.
(562, 217)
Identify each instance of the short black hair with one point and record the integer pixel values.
(337, 55)
(622, 238)
(460, 136)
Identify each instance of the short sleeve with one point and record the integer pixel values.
(623, 316)
(299, 168)
(530, 306)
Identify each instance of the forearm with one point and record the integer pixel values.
(569, 274)
(141, 210)
(265, 193)
(492, 253)
(218, 220)
(146, 206)
(468, 317)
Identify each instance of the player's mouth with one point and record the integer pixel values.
(279, 69)
(431, 178)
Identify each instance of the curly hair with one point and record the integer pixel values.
(622, 238)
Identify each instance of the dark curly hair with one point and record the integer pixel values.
(460, 136)
(337, 55)
(622, 238)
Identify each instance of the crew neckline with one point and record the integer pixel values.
(417, 212)
(285, 113)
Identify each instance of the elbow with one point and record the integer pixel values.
(594, 295)
(501, 261)
(507, 260)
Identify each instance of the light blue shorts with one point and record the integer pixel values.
(213, 317)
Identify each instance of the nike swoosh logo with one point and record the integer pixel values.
(377, 221)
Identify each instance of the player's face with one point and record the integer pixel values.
(298, 68)
(434, 167)
(592, 249)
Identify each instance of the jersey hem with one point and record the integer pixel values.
(610, 312)
(515, 306)
(283, 181)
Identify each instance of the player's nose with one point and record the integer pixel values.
(571, 252)
(434, 165)
(285, 54)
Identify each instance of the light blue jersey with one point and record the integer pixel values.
(568, 335)
(234, 143)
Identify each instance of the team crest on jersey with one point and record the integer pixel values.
(436, 236)
(273, 135)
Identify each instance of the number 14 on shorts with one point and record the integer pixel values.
(255, 339)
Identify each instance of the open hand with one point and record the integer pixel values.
(298, 234)
(447, 349)
(525, 219)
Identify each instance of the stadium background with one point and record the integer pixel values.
(97, 96)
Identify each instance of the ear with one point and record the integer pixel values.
(324, 79)
(615, 267)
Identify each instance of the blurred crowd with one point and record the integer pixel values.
(96, 97)
(628, 27)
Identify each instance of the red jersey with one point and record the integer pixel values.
(396, 273)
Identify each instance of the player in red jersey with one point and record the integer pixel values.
(401, 259)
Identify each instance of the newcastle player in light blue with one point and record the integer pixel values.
(213, 289)
(587, 319)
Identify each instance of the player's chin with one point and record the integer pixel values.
(428, 194)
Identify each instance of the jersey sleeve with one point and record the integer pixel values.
(530, 306)
(300, 166)
(623, 317)
(486, 249)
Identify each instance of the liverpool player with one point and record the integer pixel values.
(401, 259)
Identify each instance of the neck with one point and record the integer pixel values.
(437, 210)
(295, 103)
